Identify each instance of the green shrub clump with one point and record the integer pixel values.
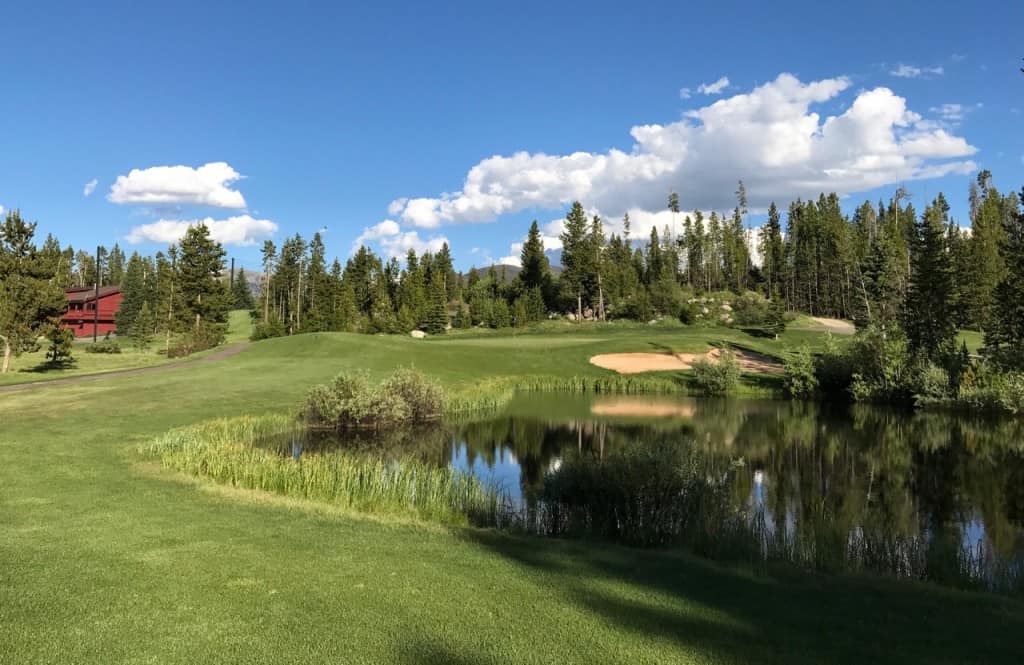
(350, 401)
(207, 336)
(801, 379)
(717, 378)
(104, 346)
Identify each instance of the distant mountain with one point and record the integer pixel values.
(510, 272)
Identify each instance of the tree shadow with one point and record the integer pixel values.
(661, 348)
(778, 615)
(759, 333)
(50, 366)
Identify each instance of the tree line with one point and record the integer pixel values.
(886, 266)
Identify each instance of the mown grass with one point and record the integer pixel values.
(32, 367)
(108, 559)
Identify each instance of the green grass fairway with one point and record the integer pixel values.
(107, 558)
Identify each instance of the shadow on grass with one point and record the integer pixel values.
(50, 366)
(759, 333)
(786, 616)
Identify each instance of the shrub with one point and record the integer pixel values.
(59, 353)
(801, 378)
(991, 390)
(930, 384)
(750, 309)
(424, 397)
(207, 336)
(273, 327)
(717, 378)
(104, 346)
(882, 363)
(351, 402)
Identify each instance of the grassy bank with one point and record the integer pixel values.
(110, 559)
(229, 451)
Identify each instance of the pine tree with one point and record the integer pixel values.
(142, 328)
(316, 288)
(929, 319)
(536, 271)
(987, 237)
(775, 323)
(59, 352)
(241, 293)
(1004, 337)
(436, 319)
(597, 247)
(31, 298)
(133, 294)
(772, 250)
(269, 254)
(115, 266)
(577, 257)
(204, 298)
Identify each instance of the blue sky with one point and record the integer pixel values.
(337, 117)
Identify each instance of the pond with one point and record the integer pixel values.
(827, 486)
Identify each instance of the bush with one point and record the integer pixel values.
(882, 366)
(351, 402)
(801, 380)
(273, 327)
(930, 384)
(717, 378)
(104, 346)
(423, 397)
(750, 309)
(206, 337)
(991, 390)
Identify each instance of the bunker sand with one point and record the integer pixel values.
(637, 363)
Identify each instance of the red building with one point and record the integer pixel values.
(81, 311)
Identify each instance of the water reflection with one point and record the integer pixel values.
(862, 470)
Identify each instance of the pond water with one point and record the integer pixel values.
(903, 477)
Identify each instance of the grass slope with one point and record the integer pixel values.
(32, 367)
(108, 558)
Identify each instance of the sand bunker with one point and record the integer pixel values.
(636, 363)
(837, 326)
(626, 407)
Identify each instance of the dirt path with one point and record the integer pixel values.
(226, 352)
(636, 363)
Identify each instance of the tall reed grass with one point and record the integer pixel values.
(495, 394)
(228, 451)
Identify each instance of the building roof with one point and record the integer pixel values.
(87, 293)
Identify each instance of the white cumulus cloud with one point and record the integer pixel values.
(911, 72)
(685, 93)
(714, 88)
(771, 138)
(90, 187)
(239, 230)
(208, 185)
(394, 242)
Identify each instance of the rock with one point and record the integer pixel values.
(726, 307)
(418, 334)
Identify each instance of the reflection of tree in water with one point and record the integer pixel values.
(865, 467)
(852, 468)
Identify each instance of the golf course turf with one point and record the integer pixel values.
(107, 557)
